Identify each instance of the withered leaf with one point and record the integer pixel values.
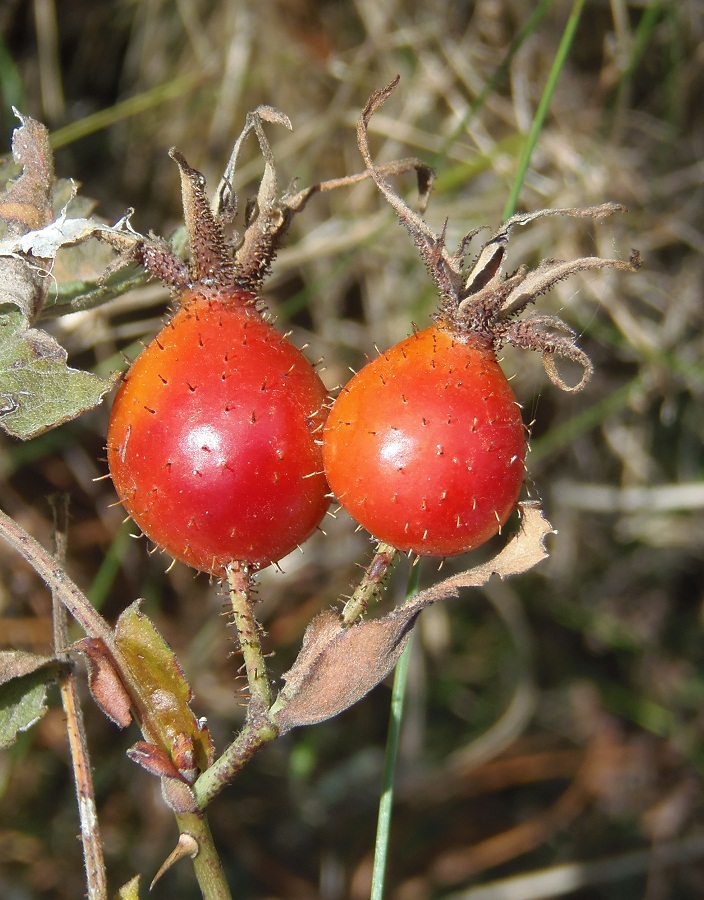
(105, 684)
(337, 666)
(26, 203)
(154, 760)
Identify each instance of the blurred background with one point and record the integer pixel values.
(553, 742)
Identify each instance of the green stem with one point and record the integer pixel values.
(541, 112)
(386, 800)
(239, 583)
(370, 584)
(256, 732)
(206, 862)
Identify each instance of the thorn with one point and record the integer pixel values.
(187, 846)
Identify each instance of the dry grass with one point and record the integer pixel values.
(592, 667)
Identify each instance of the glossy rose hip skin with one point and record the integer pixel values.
(425, 446)
(212, 437)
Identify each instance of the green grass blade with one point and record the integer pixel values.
(125, 109)
(541, 112)
(386, 800)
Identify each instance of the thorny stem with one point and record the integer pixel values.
(206, 862)
(213, 884)
(370, 584)
(87, 617)
(96, 879)
(256, 732)
(248, 629)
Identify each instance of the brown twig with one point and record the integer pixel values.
(96, 879)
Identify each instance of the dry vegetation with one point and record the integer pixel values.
(553, 719)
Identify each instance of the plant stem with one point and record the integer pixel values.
(255, 733)
(88, 618)
(248, 633)
(370, 584)
(56, 579)
(94, 861)
(386, 800)
(541, 111)
(206, 862)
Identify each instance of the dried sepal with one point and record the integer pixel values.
(210, 259)
(486, 300)
(243, 259)
(538, 333)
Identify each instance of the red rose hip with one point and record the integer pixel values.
(212, 441)
(425, 446)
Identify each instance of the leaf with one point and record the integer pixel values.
(17, 663)
(163, 685)
(38, 390)
(105, 684)
(129, 890)
(337, 666)
(24, 678)
(39, 217)
(26, 203)
(154, 760)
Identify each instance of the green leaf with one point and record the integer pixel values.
(130, 890)
(38, 390)
(24, 678)
(163, 686)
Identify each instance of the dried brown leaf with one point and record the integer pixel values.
(154, 760)
(26, 204)
(105, 684)
(337, 666)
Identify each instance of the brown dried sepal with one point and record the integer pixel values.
(104, 682)
(487, 300)
(244, 260)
